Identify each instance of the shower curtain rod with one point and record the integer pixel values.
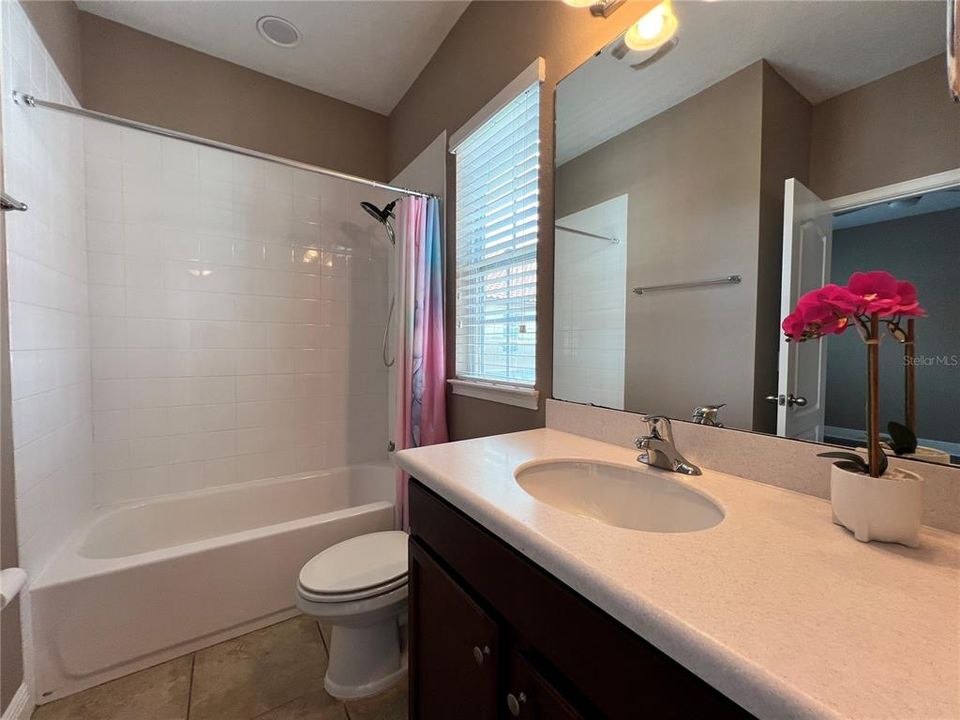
(612, 240)
(34, 102)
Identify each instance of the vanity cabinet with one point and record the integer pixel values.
(494, 636)
(456, 644)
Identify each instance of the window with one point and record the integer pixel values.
(498, 166)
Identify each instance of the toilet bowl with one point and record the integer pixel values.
(359, 587)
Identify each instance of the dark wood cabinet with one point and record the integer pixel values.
(456, 647)
(492, 635)
(530, 696)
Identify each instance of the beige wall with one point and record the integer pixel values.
(57, 22)
(784, 153)
(705, 180)
(142, 77)
(488, 47)
(118, 70)
(896, 128)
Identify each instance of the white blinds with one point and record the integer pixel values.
(497, 221)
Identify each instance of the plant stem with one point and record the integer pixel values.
(909, 394)
(873, 395)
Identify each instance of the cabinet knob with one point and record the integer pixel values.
(479, 654)
(515, 702)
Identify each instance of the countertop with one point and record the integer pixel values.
(776, 607)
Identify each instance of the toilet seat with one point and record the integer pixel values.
(360, 568)
(364, 594)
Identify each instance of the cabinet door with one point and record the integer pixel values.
(453, 647)
(529, 696)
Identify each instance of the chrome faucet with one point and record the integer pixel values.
(657, 448)
(707, 415)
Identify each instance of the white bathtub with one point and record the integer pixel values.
(147, 581)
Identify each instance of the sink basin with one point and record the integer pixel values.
(620, 496)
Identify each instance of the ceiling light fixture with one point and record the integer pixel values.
(653, 29)
(598, 8)
(278, 31)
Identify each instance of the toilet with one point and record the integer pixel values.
(359, 586)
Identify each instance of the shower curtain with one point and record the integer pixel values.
(953, 48)
(420, 410)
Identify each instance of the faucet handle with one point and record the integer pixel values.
(660, 428)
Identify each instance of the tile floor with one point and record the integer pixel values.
(271, 674)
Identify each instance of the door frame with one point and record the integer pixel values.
(789, 355)
(895, 191)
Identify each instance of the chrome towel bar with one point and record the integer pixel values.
(728, 280)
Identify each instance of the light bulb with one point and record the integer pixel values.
(653, 29)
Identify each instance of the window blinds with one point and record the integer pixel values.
(498, 168)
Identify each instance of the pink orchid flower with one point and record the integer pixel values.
(909, 303)
(825, 311)
(880, 292)
(830, 310)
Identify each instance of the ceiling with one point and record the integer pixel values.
(822, 48)
(366, 53)
(882, 212)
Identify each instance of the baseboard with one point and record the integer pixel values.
(21, 706)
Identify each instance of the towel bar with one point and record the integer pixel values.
(728, 280)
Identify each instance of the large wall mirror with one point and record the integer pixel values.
(703, 185)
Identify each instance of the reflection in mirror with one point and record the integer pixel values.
(703, 186)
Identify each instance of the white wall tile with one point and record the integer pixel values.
(225, 338)
(47, 293)
(179, 157)
(590, 290)
(141, 149)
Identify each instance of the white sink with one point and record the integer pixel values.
(637, 499)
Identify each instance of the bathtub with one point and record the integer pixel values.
(150, 580)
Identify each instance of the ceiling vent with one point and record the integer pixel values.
(278, 31)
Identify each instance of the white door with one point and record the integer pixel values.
(807, 238)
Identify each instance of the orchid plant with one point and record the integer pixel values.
(868, 301)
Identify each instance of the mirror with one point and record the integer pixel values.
(702, 186)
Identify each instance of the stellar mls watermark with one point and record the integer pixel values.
(933, 360)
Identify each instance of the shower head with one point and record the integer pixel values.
(382, 216)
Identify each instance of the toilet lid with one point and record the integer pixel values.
(360, 563)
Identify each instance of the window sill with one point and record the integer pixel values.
(525, 397)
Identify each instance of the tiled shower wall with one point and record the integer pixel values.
(237, 308)
(589, 306)
(47, 274)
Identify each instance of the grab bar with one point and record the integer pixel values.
(728, 280)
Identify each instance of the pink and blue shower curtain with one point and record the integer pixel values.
(420, 410)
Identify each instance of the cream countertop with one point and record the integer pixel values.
(778, 608)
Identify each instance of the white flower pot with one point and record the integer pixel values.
(886, 508)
